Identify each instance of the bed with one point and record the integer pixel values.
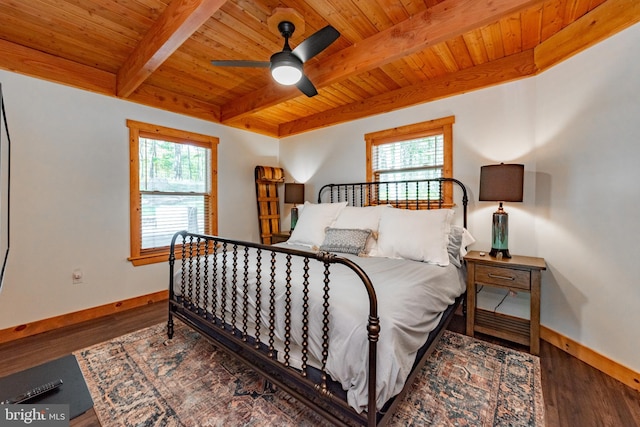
(344, 314)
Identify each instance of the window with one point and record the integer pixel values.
(412, 152)
(173, 187)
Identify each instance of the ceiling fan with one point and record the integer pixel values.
(286, 66)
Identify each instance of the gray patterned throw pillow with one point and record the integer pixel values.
(345, 240)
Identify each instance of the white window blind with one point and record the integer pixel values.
(412, 159)
(174, 190)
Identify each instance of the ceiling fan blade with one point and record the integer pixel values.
(241, 63)
(316, 43)
(306, 86)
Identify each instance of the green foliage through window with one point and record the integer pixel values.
(173, 167)
(174, 182)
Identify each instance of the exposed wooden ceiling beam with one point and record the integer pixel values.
(171, 101)
(436, 24)
(177, 23)
(255, 125)
(507, 69)
(34, 63)
(602, 22)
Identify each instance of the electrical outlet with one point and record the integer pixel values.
(77, 276)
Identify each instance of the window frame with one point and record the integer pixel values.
(137, 129)
(428, 128)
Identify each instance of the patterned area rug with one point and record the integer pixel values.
(141, 379)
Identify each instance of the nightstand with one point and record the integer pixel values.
(279, 237)
(516, 274)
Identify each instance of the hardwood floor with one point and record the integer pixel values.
(575, 394)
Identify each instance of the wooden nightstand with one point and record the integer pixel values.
(518, 274)
(280, 237)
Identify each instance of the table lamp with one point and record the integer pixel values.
(294, 194)
(501, 183)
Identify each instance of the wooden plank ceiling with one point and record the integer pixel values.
(391, 53)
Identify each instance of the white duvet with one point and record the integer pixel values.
(411, 299)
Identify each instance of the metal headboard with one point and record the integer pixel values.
(410, 194)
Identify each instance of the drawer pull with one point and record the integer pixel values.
(496, 276)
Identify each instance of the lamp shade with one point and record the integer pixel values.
(501, 183)
(294, 193)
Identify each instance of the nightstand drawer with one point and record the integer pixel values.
(507, 277)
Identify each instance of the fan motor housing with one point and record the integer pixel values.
(285, 58)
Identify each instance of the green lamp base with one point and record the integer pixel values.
(500, 234)
(294, 217)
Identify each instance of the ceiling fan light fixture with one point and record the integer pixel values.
(286, 74)
(286, 65)
(286, 69)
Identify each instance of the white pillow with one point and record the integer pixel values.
(420, 235)
(313, 221)
(459, 239)
(467, 240)
(362, 218)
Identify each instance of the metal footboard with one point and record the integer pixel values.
(218, 278)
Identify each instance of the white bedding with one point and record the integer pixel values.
(411, 298)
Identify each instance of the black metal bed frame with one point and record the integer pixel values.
(210, 259)
(408, 194)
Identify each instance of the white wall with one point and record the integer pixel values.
(70, 197)
(588, 173)
(576, 128)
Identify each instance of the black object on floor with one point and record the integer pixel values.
(73, 390)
